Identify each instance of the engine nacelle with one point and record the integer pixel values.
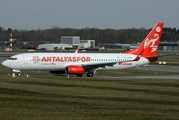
(77, 70)
(57, 72)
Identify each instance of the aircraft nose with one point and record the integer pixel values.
(5, 63)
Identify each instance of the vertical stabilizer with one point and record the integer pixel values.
(150, 43)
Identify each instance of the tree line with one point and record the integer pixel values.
(53, 35)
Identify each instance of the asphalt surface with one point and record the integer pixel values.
(145, 76)
(159, 68)
(139, 77)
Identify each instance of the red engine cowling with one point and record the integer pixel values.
(78, 70)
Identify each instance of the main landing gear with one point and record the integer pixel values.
(89, 74)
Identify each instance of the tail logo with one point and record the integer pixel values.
(74, 69)
(151, 43)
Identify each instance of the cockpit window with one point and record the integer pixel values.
(12, 58)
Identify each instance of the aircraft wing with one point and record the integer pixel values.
(94, 66)
(110, 64)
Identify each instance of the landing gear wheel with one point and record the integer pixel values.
(89, 74)
(19, 74)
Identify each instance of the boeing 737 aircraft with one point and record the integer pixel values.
(79, 63)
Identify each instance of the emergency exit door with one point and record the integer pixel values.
(25, 59)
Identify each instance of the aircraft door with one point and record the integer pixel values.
(25, 59)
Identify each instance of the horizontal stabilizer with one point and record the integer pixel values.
(159, 56)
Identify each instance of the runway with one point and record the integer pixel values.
(159, 68)
(153, 68)
(143, 77)
(96, 76)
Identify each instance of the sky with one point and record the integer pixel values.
(102, 14)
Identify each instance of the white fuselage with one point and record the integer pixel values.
(59, 61)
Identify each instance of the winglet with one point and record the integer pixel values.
(77, 50)
(139, 56)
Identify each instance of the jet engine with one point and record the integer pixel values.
(77, 70)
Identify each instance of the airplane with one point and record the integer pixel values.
(79, 63)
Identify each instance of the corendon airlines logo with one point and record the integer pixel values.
(74, 69)
(36, 59)
(125, 64)
(151, 43)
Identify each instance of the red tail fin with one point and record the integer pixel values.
(150, 43)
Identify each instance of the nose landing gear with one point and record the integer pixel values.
(19, 74)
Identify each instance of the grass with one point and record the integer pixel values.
(88, 98)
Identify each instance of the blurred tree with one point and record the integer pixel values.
(54, 34)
